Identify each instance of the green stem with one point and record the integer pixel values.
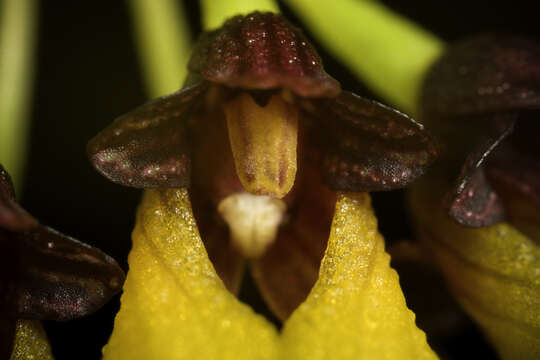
(390, 53)
(215, 12)
(164, 43)
(17, 37)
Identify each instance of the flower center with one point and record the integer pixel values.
(253, 221)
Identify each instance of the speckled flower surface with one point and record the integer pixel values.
(262, 132)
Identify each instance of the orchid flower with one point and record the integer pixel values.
(481, 98)
(249, 161)
(337, 296)
(45, 275)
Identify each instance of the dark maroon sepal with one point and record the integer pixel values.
(472, 201)
(149, 146)
(15, 218)
(12, 216)
(262, 51)
(475, 204)
(367, 146)
(54, 277)
(487, 73)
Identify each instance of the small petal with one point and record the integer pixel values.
(476, 203)
(368, 146)
(287, 271)
(226, 259)
(55, 277)
(472, 201)
(262, 51)
(149, 146)
(214, 178)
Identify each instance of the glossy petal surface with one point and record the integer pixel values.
(149, 146)
(55, 277)
(368, 146)
(493, 271)
(262, 51)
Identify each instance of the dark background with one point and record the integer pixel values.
(88, 74)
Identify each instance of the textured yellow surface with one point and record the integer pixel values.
(175, 307)
(30, 342)
(494, 271)
(356, 310)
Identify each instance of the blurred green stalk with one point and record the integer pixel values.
(164, 43)
(215, 12)
(387, 51)
(17, 39)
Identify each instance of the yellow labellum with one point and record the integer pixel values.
(174, 305)
(494, 272)
(30, 341)
(263, 142)
(356, 310)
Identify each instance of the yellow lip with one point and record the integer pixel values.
(175, 306)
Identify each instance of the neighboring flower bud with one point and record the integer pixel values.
(482, 98)
(45, 275)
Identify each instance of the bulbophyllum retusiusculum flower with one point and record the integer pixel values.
(266, 142)
(482, 99)
(45, 275)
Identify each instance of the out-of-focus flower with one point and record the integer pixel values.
(480, 92)
(45, 275)
(258, 106)
(482, 99)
